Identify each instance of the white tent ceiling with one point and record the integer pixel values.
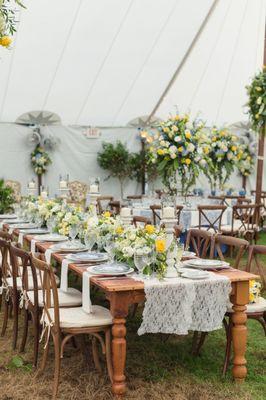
(107, 62)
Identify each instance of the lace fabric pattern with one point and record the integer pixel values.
(179, 305)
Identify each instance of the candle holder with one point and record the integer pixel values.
(32, 188)
(126, 216)
(93, 197)
(169, 222)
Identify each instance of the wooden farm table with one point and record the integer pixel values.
(122, 293)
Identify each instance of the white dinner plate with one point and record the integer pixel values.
(54, 237)
(15, 221)
(68, 246)
(35, 231)
(195, 274)
(189, 254)
(24, 226)
(206, 264)
(8, 216)
(115, 269)
(88, 257)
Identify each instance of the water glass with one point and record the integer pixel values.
(140, 262)
(73, 231)
(90, 240)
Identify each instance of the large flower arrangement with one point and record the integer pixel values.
(40, 160)
(257, 100)
(7, 21)
(176, 151)
(221, 152)
(245, 163)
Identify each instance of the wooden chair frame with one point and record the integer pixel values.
(203, 215)
(200, 241)
(103, 198)
(156, 216)
(138, 219)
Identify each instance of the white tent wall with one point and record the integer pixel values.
(77, 156)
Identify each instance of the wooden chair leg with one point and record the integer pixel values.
(194, 342)
(95, 354)
(228, 346)
(57, 348)
(25, 330)
(5, 316)
(15, 320)
(263, 323)
(36, 329)
(44, 357)
(109, 354)
(201, 342)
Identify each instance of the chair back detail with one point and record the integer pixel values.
(240, 245)
(139, 220)
(210, 217)
(254, 251)
(77, 191)
(155, 208)
(16, 186)
(103, 203)
(199, 241)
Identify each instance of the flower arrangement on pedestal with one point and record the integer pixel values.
(40, 160)
(221, 151)
(175, 150)
(257, 100)
(245, 163)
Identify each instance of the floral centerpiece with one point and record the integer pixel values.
(221, 152)
(40, 160)
(257, 100)
(176, 151)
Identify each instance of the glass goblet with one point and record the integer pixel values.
(109, 247)
(140, 262)
(90, 240)
(73, 231)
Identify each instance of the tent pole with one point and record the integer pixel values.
(262, 134)
(184, 59)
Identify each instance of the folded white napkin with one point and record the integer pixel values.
(33, 246)
(20, 238)
(48, 254)
(86, 300)
(64, 275)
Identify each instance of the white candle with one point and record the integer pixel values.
(94, 188)
(63, 184)
(125, 212)
(44, 194)
(31, 185)
(168, 212)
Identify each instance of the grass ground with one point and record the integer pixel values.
(157, 369)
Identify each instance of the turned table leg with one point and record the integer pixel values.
(239, 330)
(119, 356)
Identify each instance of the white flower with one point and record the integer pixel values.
(172, 149)
(259, 100)
(173, 155)
(177, 139)
(203, 162)
(189, 125)
(190, 147)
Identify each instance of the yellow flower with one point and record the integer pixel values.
(257, 116)
(233, 148)
(187, 161)
(177, 118)
(180, 149)
(107, 214)
(251, 297)
(248, 158)
(214, 139)
(150, 229)
(160, 245)
(5, 41)
(188, 135)
(258, 88)
(119, 230)
(166, 129)
(206, 150)
(160, 152)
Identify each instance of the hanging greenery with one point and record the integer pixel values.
(7, 21)
(245, 163)
(40, 160)
(257, 100)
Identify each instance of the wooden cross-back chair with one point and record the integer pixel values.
(199, 241)
(255, 311)
(229, 200)
(101, 200)
(243, 200)
(218, 199)
(134, 197)
(115, 207)
(139, 220)
(232, 242)
(245, 220)
(155, 208)
(210, 217)
(69, 322)
(255, 251)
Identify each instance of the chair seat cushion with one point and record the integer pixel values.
(30, 282)
(77, 318)
(71, 298)
(259, 306)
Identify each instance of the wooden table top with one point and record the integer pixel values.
(129, 284)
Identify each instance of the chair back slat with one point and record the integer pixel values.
(139, 220)
(199, 241)
(241, 245)
(157, 216)
(210, 217)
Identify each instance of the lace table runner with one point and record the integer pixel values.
(179, 305)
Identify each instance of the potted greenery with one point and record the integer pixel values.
(6, 198)
(118, 161)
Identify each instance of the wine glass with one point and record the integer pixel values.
(90, 240)
(179, 252)
(149, 258)
(50, 224)
(140, 261)
(109, 247)
(73, 231)
(38, 221)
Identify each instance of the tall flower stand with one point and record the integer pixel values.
(126, 216)
(169, 221)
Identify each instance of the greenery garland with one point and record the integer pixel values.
(7, 21)
(257, 100)
(40, 160)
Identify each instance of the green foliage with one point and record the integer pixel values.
(8, 17)
(142, 165)
(257, 100)
(18, 363)
(116, 159)
(6, 197)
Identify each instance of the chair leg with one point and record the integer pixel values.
(44, 357)
(201, 342)
(194, 342)
(95, 354)
(36, 329)
(228, 346)
(263, 323)
(109, 354)
(25, 330)
(15, 320)
(57, 348)
(5, 316)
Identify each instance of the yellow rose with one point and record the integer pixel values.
(166, 129)
(107, 214)
(177, 118)
(187, 161)
(206, 150)
(150, 229)
(188, 135)
(160, 152)
(214, 138)
(119, 230)
(180, 149)
(160, 245)
(233, 148)
(257, 116)
(5, 41)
